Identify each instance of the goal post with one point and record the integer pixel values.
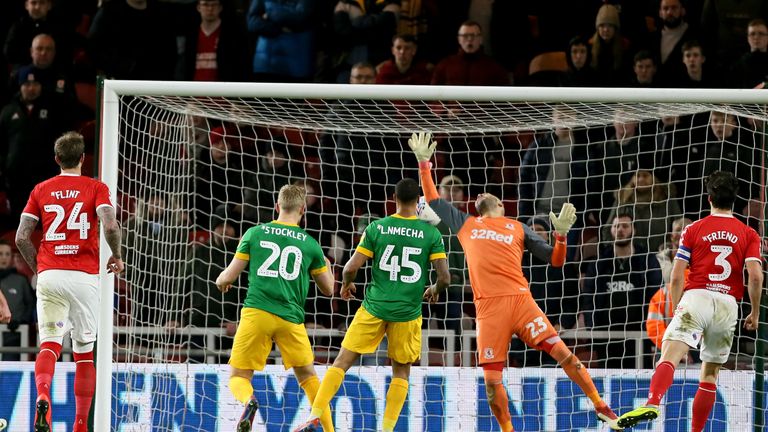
(166, 335)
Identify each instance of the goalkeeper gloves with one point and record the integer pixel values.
(425, 212)
(422, 146)
(565, 220)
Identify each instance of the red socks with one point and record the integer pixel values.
(45, 364)
(702, 405)
(85, 384)
(660, 382)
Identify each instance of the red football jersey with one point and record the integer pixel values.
(66, 205)
(716, 248)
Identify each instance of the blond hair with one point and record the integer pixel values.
(69, 148)
(291, 198)
(487, 204)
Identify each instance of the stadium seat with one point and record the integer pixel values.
(86, 94)
(546, 68)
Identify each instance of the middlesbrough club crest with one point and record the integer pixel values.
(488, 353)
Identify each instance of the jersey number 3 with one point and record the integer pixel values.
(721, 260)
(76, 221)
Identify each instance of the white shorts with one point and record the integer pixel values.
(67, 299)
(708, 317)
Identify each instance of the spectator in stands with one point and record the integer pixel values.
(697, 75)
(555, 169)
(364, 31)
(652, 207)
(667, 251)
(285, 49)
(667, 41)
(644, 69)
(29, 125)
(401, 69)
(448, 314)
(724, 24)
(219, 178)
(19, 296)
(554, 289)
(362, 73)
(470, 66)
(609, 47)
(752, 68)
(209, 307)
(53, 76)
(617, 289)
(362, 163)
(620, 157)
(731, 147)
(274, 172)
(133, 39)
(580, 72)
(214, 47)
(37, 20)
(157, 229)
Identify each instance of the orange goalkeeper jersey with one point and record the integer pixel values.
(493, 247)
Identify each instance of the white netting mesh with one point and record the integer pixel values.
(195, 172)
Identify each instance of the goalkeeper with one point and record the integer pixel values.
(282, 256)
(493, 247)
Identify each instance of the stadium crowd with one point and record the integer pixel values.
(635, 184)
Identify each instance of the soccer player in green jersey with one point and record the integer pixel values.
(401, 247)
(280, 257)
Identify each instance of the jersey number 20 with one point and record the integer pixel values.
(392, 263)
(282, 270)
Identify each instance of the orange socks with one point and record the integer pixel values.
(497, 399)
(575, 371)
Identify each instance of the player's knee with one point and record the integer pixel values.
(241, 388)
(81, 347)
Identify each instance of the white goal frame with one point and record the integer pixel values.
(109, 136)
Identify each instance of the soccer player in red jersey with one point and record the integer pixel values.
(67, 267)
(493, 246)
(717, 248)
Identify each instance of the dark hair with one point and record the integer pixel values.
(69, 148)
(624, 211)
(363, 65)
(471, 23)
(644, 55)
(691, 44)
(405, 38)
(4, 242)
(407, 191)
(722, 187)
(578, 40)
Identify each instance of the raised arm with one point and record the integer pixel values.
(324, 279)
(24, 243)
(113, 236)
(423, 147)
(562, 224)
(755, 290)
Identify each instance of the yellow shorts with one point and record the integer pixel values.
(366, 332)
(254, 336)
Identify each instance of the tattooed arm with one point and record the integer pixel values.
(112, 234)
(24, 241)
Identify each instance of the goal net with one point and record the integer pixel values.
(195, 165)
